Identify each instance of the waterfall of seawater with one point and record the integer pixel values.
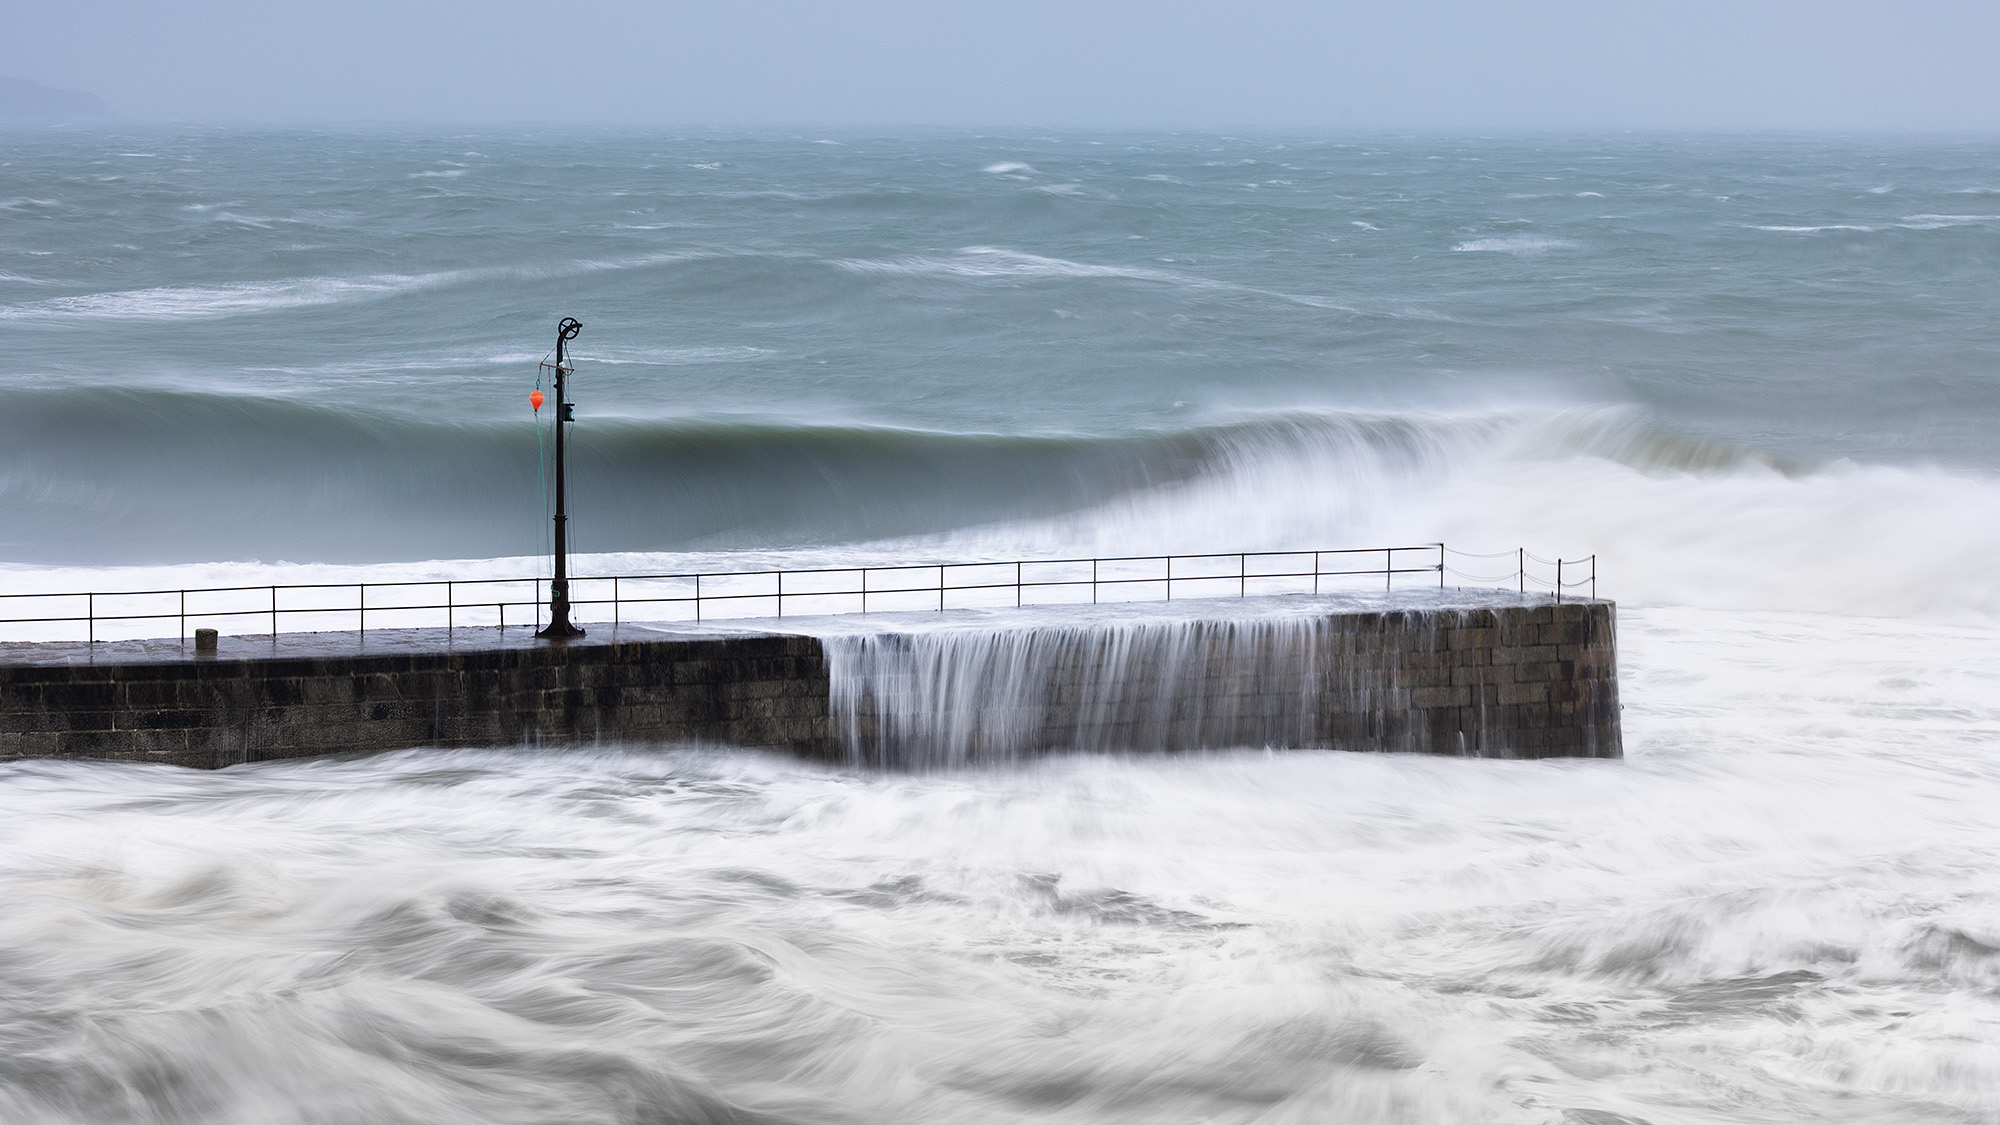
(957, 694)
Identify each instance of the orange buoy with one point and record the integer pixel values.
(535, 399)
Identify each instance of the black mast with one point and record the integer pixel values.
(559, 627)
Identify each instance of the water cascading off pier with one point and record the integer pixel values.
(1506, 680)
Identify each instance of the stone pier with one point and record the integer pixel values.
(1489, 677)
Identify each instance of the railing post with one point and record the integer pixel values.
(503, 614)
(276, 611)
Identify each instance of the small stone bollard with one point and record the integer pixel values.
(204, 642)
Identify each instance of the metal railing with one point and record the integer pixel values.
(693, 596)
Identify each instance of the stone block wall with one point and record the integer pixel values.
(1512, 682)
(747, 691)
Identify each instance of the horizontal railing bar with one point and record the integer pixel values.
(943, 585)
(388, 584)
(707, 597)
(370, 583)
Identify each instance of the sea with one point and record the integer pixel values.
(1757, 377)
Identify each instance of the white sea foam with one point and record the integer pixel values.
(994, 262)
(733, 353)
(610, 355)
(1681, 524)
(1814, 230)
(1936, 222)
(254, 221)
(1793, 847)
(1524, 244)
(983, 262)
(174, 302)
(1009, 168)
(199, 301)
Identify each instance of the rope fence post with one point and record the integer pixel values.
(184, 616)
(1017, 584)
(781, 593)
(1521, 568)
(940, 587)
(1389, 569)
(1242, 569)
(1093, 582)
(1170, 578)
(90, 613)
(361, 607)
(1559, 580)
(1593, 578)
(1440, 566)
(614, 602)
(449, 602)
(1315, 573)
(274, 613)
(697, 599)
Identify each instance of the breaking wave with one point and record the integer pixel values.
(1689, 520)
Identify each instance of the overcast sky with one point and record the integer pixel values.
(1452, 64)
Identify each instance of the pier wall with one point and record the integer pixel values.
(1533, 679)
(753, 690)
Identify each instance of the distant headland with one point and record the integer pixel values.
(31, 103)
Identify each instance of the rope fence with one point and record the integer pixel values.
(94, 616)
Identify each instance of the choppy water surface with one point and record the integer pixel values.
(1759, 378)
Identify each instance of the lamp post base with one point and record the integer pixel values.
(559, 628)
